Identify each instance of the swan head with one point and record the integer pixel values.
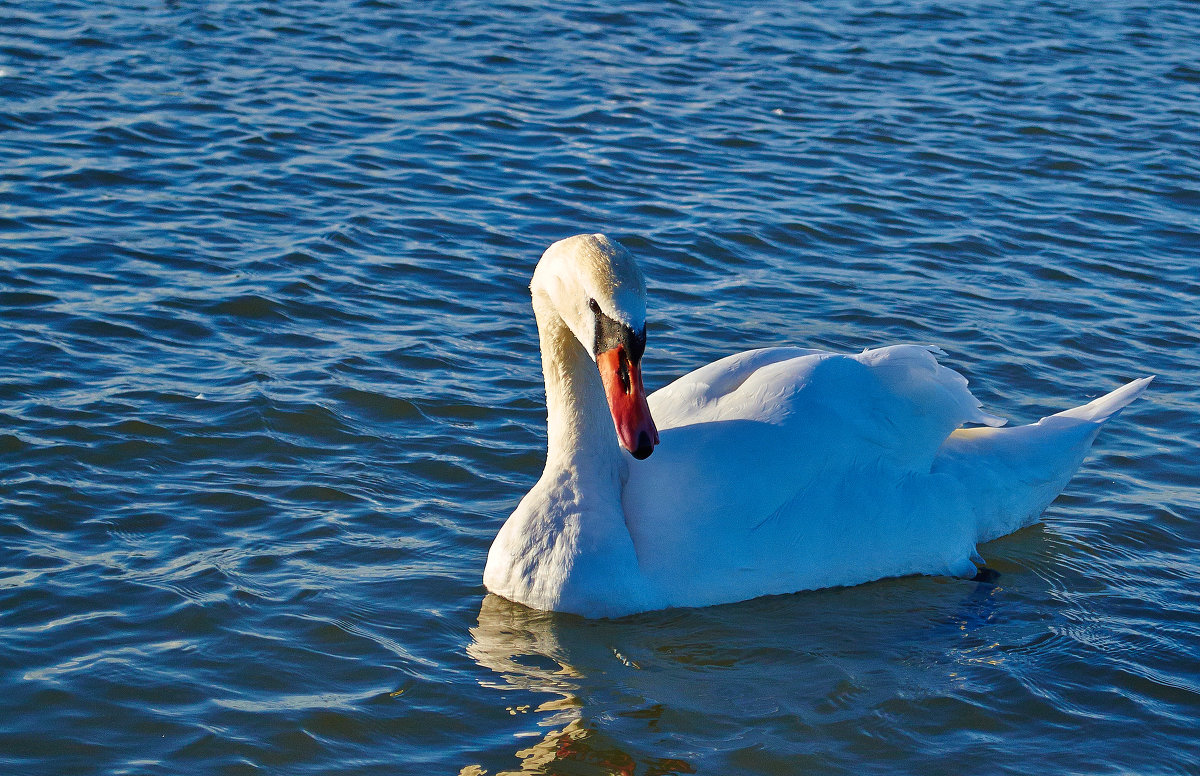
(597, 289)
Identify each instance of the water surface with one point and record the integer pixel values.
(269, 380)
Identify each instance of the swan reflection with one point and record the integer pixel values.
(644, 694)
(571, 660)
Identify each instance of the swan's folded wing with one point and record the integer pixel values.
(713, 392)
(769, 452)
(895, 401)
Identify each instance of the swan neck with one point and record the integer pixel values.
(579, 429)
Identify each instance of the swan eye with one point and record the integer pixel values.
(592, 303)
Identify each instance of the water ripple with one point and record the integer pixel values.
(270, 384)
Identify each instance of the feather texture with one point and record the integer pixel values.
(779, 469)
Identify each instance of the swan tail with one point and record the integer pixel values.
(1006, 477)
(1108, 405)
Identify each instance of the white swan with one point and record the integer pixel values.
(779, 470)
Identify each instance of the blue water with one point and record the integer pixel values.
(269, 379)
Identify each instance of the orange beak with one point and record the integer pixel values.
(627, 401)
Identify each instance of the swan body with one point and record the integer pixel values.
(777, 470)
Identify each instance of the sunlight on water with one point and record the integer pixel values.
(270, 378)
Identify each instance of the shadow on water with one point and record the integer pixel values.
(822, 670)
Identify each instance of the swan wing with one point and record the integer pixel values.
(785, 468)
(898, 394)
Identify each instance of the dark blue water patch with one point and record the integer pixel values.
(270, 379)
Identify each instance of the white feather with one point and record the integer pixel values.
(779, 470)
